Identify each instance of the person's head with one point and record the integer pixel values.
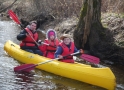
(66, 38)
(51, 34)
(33, 25)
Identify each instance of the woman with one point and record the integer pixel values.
(50, 44)
(66, 47)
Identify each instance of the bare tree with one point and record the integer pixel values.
(89, 28)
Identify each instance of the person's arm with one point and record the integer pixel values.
(21, 35)
(58, 51)
(75, 49)
(80, 50)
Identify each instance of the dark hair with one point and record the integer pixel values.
(33, 22)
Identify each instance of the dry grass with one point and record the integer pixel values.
(114, 6)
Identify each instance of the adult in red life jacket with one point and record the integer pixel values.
(66, 47)
(50, 44)
(27, 43)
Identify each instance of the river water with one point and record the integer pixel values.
(38, 80)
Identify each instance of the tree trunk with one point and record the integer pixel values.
(89, 28)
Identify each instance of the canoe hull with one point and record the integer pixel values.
(102, 77)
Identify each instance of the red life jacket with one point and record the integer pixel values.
(67, 51)
(52, 45)
(28, 41)
(50, 50)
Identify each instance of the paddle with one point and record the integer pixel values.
(90, 58)
(14, 17)
(29, 67)
(86, 57)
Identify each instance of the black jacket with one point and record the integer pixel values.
(21, 36)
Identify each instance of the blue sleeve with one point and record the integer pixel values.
(75, 49)
(58, 51)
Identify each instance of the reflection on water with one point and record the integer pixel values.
(31, 81)
(24, 77)
(38, 80)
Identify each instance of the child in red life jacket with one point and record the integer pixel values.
(50, 44)
(66, 47)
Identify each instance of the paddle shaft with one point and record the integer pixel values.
(33, 39)
(57, 58)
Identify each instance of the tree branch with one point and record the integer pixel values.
(8, 7)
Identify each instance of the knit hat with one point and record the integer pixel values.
(51, 32)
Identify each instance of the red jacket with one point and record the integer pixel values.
(28, 41)
(49, 50)
(67, 51)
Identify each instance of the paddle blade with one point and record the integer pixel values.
(13, 16)
(24, 67)
(90, 58)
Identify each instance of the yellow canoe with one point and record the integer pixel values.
(102, 77)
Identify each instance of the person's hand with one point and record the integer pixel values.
(60, 56)
(40, 42)
(81, 51)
